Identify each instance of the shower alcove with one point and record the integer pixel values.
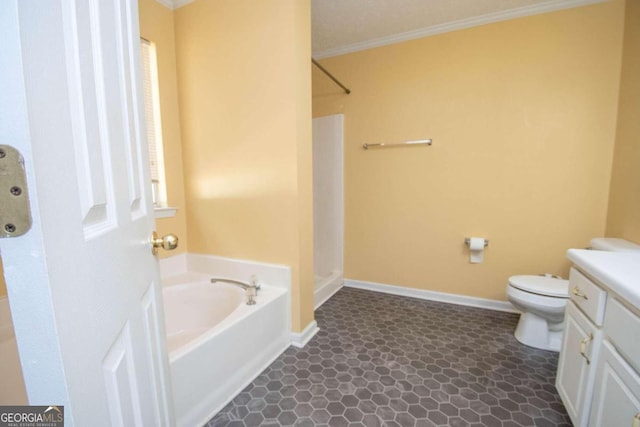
(328, 206)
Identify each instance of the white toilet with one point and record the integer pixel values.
(542, 300)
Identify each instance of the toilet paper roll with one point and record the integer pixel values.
(476, 247)
(476, 243)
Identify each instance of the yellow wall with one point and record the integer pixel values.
(157, 26)
(624, 203)
(522, 114)
(245, 110)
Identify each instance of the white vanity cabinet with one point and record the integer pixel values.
(580, 347)
(616, 401)
(599, 364)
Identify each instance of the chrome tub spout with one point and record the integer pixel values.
(251, 288)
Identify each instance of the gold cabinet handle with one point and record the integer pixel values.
(167, 242)
(636, 420)
(583, 347)
(576, 291)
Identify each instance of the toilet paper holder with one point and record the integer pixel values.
(467, 240)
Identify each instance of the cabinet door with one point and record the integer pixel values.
(617, 397)
(575, 365)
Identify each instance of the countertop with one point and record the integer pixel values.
(618, 271)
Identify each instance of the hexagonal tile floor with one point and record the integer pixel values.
(384, 360)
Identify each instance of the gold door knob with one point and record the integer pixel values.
(167, 242)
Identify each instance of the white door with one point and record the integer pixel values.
(83, 284)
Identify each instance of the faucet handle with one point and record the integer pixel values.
(254, 282)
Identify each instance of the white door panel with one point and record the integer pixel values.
(85, 271)
(617, 397)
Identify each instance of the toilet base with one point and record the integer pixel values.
(534, 331)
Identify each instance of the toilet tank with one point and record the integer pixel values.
(613, 245)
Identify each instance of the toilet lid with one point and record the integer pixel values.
(541, 285)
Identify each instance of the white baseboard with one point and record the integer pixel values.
(488, 304)
(321, 295)
(300, 339)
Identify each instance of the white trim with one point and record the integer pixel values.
(488, 304)
(275, 275)
(174, 4)
(323, 294)
(167, 3)
(300, 339)
(180, 3)
(167, 212)
(489, 18)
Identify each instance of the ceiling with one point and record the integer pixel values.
(345, 26)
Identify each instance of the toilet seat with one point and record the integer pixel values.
(541, 285)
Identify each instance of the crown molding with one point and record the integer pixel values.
(174, 4)
(461, 24)
(166, 3)
(180, 3)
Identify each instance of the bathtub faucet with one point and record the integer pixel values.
(250, 288)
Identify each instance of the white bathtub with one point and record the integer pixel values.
(217, 344)
(196, 309)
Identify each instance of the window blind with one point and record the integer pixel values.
(152, 119)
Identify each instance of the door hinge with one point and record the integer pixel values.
(15, 214)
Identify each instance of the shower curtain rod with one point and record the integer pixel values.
(346, 89)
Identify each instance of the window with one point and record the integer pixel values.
(154, 125)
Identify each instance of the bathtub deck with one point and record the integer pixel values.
(387, 360)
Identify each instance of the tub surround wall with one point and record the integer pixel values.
(624, 202)
(157, 26)
(522, 114)
(328, 205)
(328, 199)
(245, 107)
(272, 274)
